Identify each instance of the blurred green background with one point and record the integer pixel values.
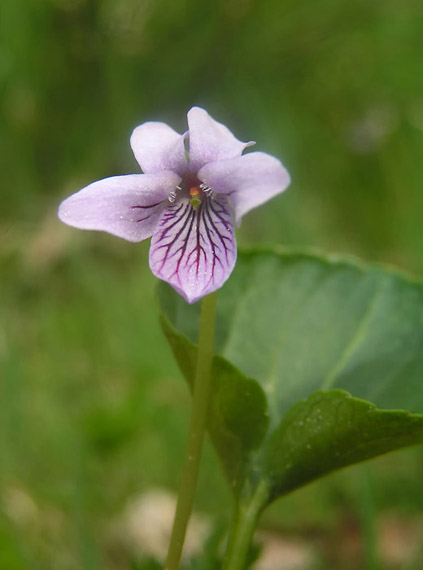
(93, 412)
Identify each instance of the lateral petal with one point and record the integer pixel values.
(126, 206)
(210, 140)
(158, 147)
(194, 250)
(248, 180)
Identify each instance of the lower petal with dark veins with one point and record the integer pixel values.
(194, 250)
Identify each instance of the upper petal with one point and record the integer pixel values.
(158, 147)
(126, 206)
(248, 180)
(210, 140)
(194, 250)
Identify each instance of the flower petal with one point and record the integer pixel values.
(194, 250)
(126, 206)
(158, 147)
(248, 180)
(210, 140)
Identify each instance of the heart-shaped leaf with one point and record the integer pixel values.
(312, 332)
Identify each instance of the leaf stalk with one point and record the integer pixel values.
(245, 521)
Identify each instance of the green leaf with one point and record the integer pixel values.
(328, 431)
(238, 419)
(311, 331)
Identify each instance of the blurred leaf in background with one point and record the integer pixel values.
(92, 408)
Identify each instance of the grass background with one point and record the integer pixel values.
(93, 410)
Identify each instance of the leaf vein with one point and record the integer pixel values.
(353, 343)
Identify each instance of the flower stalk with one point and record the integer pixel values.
(197, 427)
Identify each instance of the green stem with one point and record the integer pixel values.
(197, 427)
(245, 521)
(366, 504)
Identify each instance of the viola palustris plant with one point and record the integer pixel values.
(193, 183)
(319, 364)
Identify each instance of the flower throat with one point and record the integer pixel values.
(193, 187)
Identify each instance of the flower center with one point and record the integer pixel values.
(195, 192)
(193, 188)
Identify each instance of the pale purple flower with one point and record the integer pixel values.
(191, 185)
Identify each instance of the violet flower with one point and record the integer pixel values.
(191, 185)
